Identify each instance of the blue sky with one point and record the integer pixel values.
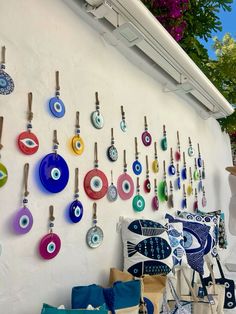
(228, 20)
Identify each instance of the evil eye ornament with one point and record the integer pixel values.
(95, 184)
(196, 175)
(94, 237)
(155, 166)
(123, 126)
(97, 120)
(76, 211)
(3, 175)
(6, 83)
(23, 221)
(200, 186)
(177, 156)
(53, 173)
(178, 184)
(191, 152)
(125, 186)
(171, 170)
(147, 186)
(199, 162)
(138, 203)
(155, 203)
(204, 201)
(112, 153)
(57, 107)
(137, 168)
(195, 206)
(49, 246)
(184, 203)
(164, 145)
(146, 138)
(184, 174)
(112, 193)
(28, 143)
(189, 190)
(77, 145)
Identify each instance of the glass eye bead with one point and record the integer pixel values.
(51, 225)
(76, 195)
(95, 221)
(29, 126)
(25, 201)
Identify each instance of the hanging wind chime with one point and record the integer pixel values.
(147, 182)
(190, 185)
(3, 169)
(184, 169)
(171, 168)
(138, 201)
(155, 164)
(155, 201)
(53, 169)
(125, 184)
(146, 136)
(162, 188)
(94, 235)
(178, 151)
(56, 105)
(199, 160)
(6, 82)
(177, 180)
(137, 167)
(195, 204)
(96, 116)
(184, 200)
(23, 220)
(164, 144)
(76, 209)
(112, 152)
(123, 123)
(95, 181)
(191, 151)
(50, 244)
(171, 197)
(112, 193)
(27, 141)
(77, 142)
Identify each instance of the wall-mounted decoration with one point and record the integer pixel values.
(50, 244)
(155, 201)
(162, 188)
(184, 200)
(146, 136)
(95, 181)
(177, 180)
(147, 182)
(184, 169)
(203, 171)
(53, 170)
(27, 141)
(155, 163)
(112, 192)
(190, 185)
(6, 82)
(123, 123)
(164, 144)
(195, 204)
(96, 116)
(178, 151)
(3, 169)
(196, 172)
(200, 184)
(23, 220)
(204, 200)
(199, 160)
(171, 168)
(191, 150)
(125, 184)
(112, 152)
(56, 105)
(137, 167)
(76, 209)
(77, 142)
(94, 235)
(171, 197)
(138, 202)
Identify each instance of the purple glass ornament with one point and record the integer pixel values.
(23, 221)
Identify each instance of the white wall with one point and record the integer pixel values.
(44, 36)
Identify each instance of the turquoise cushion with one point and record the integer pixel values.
(48, 309)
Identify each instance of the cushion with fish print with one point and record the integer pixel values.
(195, 238)
(147, 250)
(209, 220)
(176, 237)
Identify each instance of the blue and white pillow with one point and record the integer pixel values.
(147, 249)
(195, 237)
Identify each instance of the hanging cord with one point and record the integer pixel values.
(136, 148)
(122, 113)
(97, 103)
(55, 141)
(164, 169)
(77, 120)
(26, 175)
(138, 185)
(76, 183)
(171, 156)
(30, 113)
(57, 84)
(3, 57)
(125, 164)
(111, 177)
(1, 128)
(95, 155)
(145, 123)
(199, 153)
(147, 167)
(94, 214)
(155, 149)
(112, 137)
(164, 130)
(51, 218)
(178, 142)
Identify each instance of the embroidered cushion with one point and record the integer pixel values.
(146, 247)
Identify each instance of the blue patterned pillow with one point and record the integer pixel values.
(147, 248)
(195, 237)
